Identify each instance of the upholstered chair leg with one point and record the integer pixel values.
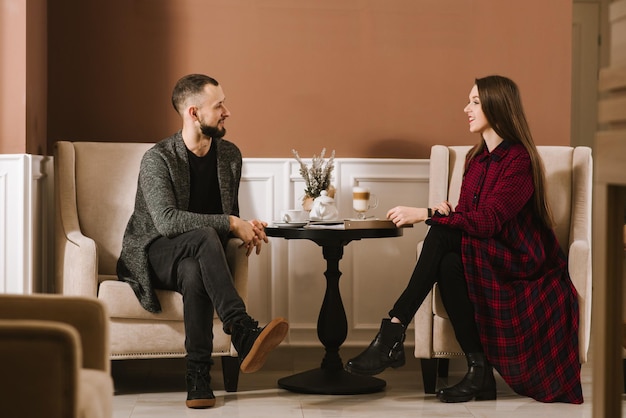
(443, 366)
(429, 374)
(624, 373)
(230, 370)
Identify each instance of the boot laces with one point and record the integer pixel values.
(249, 323)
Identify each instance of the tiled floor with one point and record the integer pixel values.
(155, 389)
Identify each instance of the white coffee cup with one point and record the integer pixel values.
(363, 200)
(293, 216)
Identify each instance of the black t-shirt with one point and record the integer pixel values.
(205, 188)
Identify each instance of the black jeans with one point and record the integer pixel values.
(194, 264)
(440, 261)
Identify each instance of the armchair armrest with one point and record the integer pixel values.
(86, 315)
(424, 322)
(80, 277)
(40, 368)
(579, 266)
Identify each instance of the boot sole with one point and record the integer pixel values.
(200, 403)
(484, 396)
(353, 370)
(273, 334)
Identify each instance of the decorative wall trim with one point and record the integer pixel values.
(286, 279)
(25, 222)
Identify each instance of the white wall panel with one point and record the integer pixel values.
(24, 223)
(287, 278)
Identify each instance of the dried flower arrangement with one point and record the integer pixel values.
(317, 177)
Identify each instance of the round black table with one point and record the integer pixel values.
(332, 325)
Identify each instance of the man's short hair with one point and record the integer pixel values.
(189, 86)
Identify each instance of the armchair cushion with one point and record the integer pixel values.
(121, 302)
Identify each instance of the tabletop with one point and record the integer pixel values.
(332, 234)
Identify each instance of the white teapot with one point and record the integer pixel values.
(324, 208)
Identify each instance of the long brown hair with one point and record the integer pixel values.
(502, 105)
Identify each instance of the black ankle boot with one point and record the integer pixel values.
(478, 383)
(253, 344)
(199, 393)
(387, 350)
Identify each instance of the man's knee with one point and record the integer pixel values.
(205, 243)
(189, 276)
(204, 235)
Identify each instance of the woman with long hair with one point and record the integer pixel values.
(502, 274)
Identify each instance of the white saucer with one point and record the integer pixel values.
(281, 224)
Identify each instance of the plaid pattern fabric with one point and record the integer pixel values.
(525, 303)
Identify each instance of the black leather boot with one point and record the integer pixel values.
(387, 350)
(199, 393)
(253, 343)
(478, 383)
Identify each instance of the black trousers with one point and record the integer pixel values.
(440, 262)
(194, 264)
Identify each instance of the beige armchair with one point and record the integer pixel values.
(95, 185)
(569, 185)
(54, 357)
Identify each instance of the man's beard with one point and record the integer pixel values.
(212, 131)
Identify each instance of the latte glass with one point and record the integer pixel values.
(362, 201)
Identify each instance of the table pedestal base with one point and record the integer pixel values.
(326, 382)
(332, 324)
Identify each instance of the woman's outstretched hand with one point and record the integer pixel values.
(406, 215)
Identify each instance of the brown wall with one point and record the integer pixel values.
(12, 77)
(368, 78)
(23, 77)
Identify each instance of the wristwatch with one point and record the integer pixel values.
(430, 213)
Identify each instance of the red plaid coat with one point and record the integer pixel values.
(525, 304)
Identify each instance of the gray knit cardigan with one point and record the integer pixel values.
(161, 206)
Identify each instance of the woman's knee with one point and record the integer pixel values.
(451, 270)
(444, 234)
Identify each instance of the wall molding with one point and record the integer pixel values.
(25, 223)
(286, 279)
